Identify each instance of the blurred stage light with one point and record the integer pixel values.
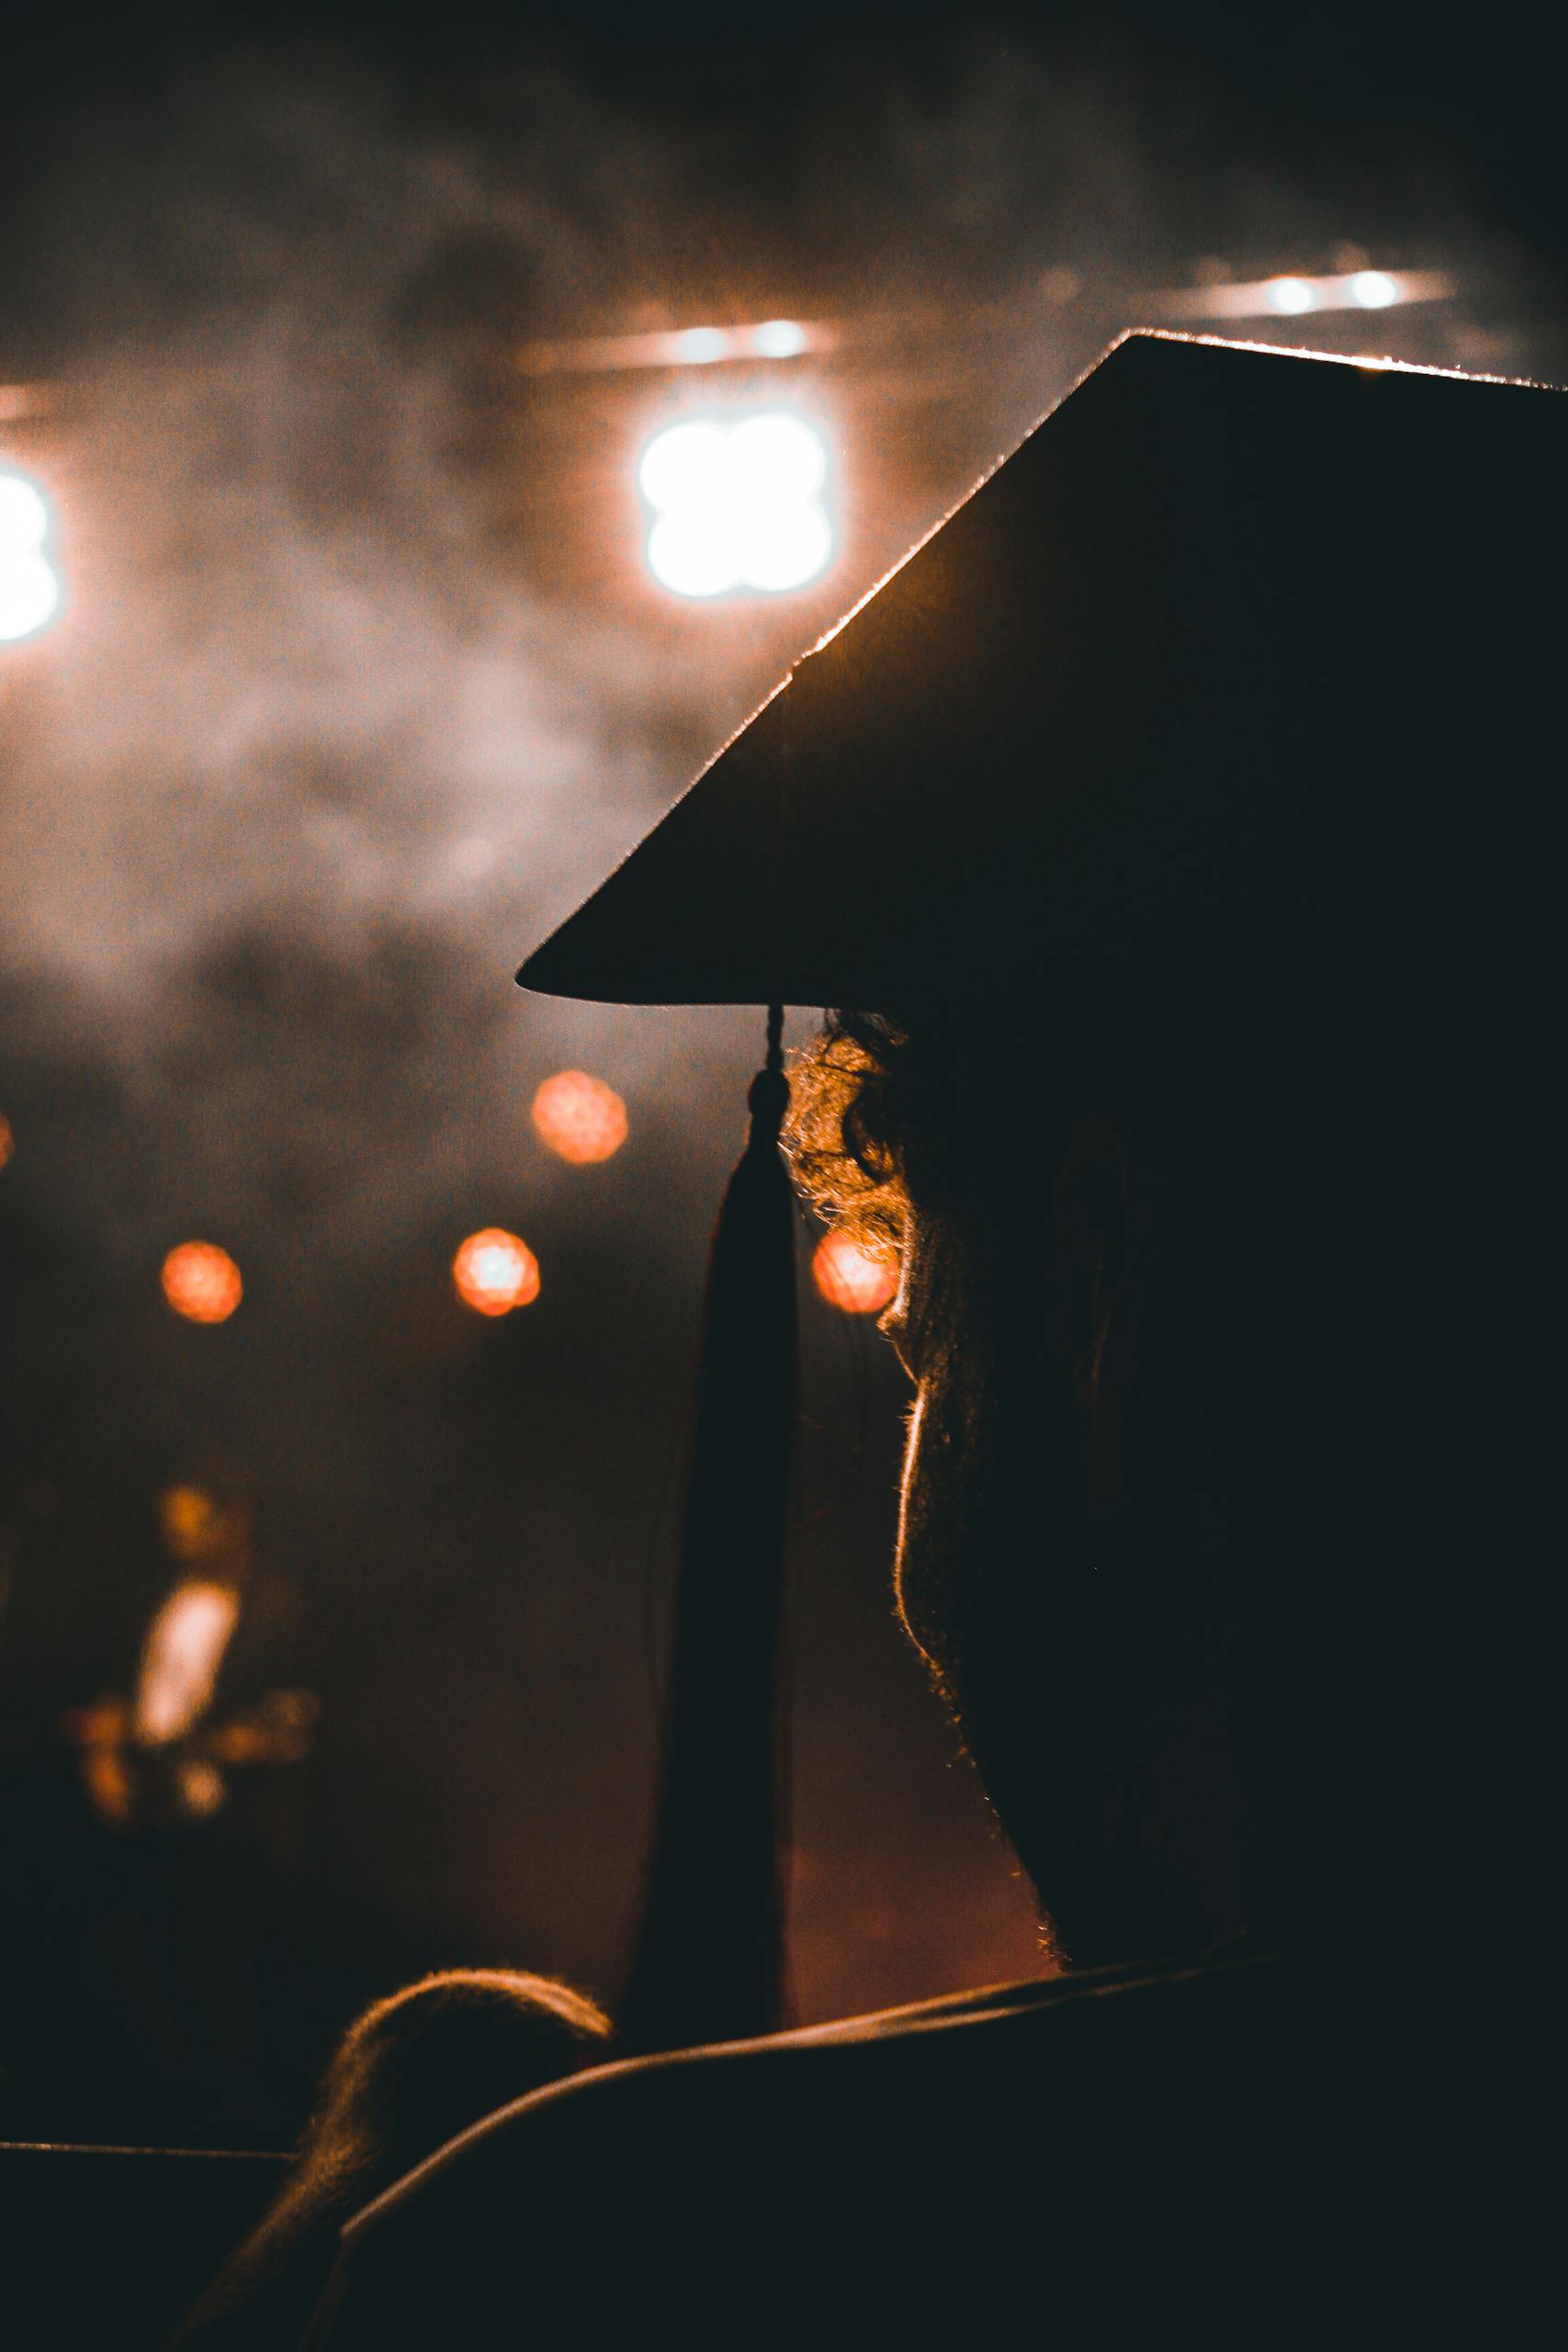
(163, 1759)
(493, 1271)
(202, 1282)
(29, 585)
(24, 514)
(183, 1652)
(8, 1140)
(853, 1278)
(699, 347)
(678, 347)
(737, 505)
(1291, 295)
(201, 1530)
(201, 1786)
(100, 1732)
(579, 1117)
(1252, 298)
(281, 1730)
(187, 1517)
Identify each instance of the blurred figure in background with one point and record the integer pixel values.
(415, 2070)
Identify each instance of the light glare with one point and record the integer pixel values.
(29, 596)
(737, 505)
(779, 339)
(776, 457)
(1374, 289)
(24, 517)
(679, 464)
(692, 555)
(30, 586)
(794, 548)
(699, 347)
(1291, 295)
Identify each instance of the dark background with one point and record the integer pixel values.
(361, 683)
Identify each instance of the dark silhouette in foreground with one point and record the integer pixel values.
(1203, 1008)
(415, 2070)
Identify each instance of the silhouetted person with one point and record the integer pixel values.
(414, 2071)
(1164, 819)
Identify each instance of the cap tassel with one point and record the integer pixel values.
(710, 1958)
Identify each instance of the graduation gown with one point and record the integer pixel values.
(1198, 2150)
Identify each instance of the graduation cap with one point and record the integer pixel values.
(1224, 661)
(1225, 608)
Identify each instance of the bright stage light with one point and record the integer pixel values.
(777, 457)
(1291, 295)
(1374, 289)
(699, 347)
(29, 585)
(29, 596)
(779, 339)
(737, 505)
(24, 517)
(493, 1271)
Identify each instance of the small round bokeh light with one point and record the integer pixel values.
(493, 1271)
(855, 1277)
(202, 1283)
(579, 1117)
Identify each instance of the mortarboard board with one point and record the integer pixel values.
(1230, 628)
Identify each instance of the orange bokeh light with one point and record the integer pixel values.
(202, 1282)
(853, 1278)
(197, 1527)
(579, 1117)
(7, 1141)
(494, 1271)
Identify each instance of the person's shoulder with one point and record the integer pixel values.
(864, 2070)
(838, 2151)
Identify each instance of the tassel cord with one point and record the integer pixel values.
(709, 1960)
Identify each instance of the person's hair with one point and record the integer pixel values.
(1335, 1154)
(421, 2065)
(885, 1110)
(418, 2068)
(843, 1132)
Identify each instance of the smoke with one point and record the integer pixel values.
(301, 682)
(359, 686)
(312, 758)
